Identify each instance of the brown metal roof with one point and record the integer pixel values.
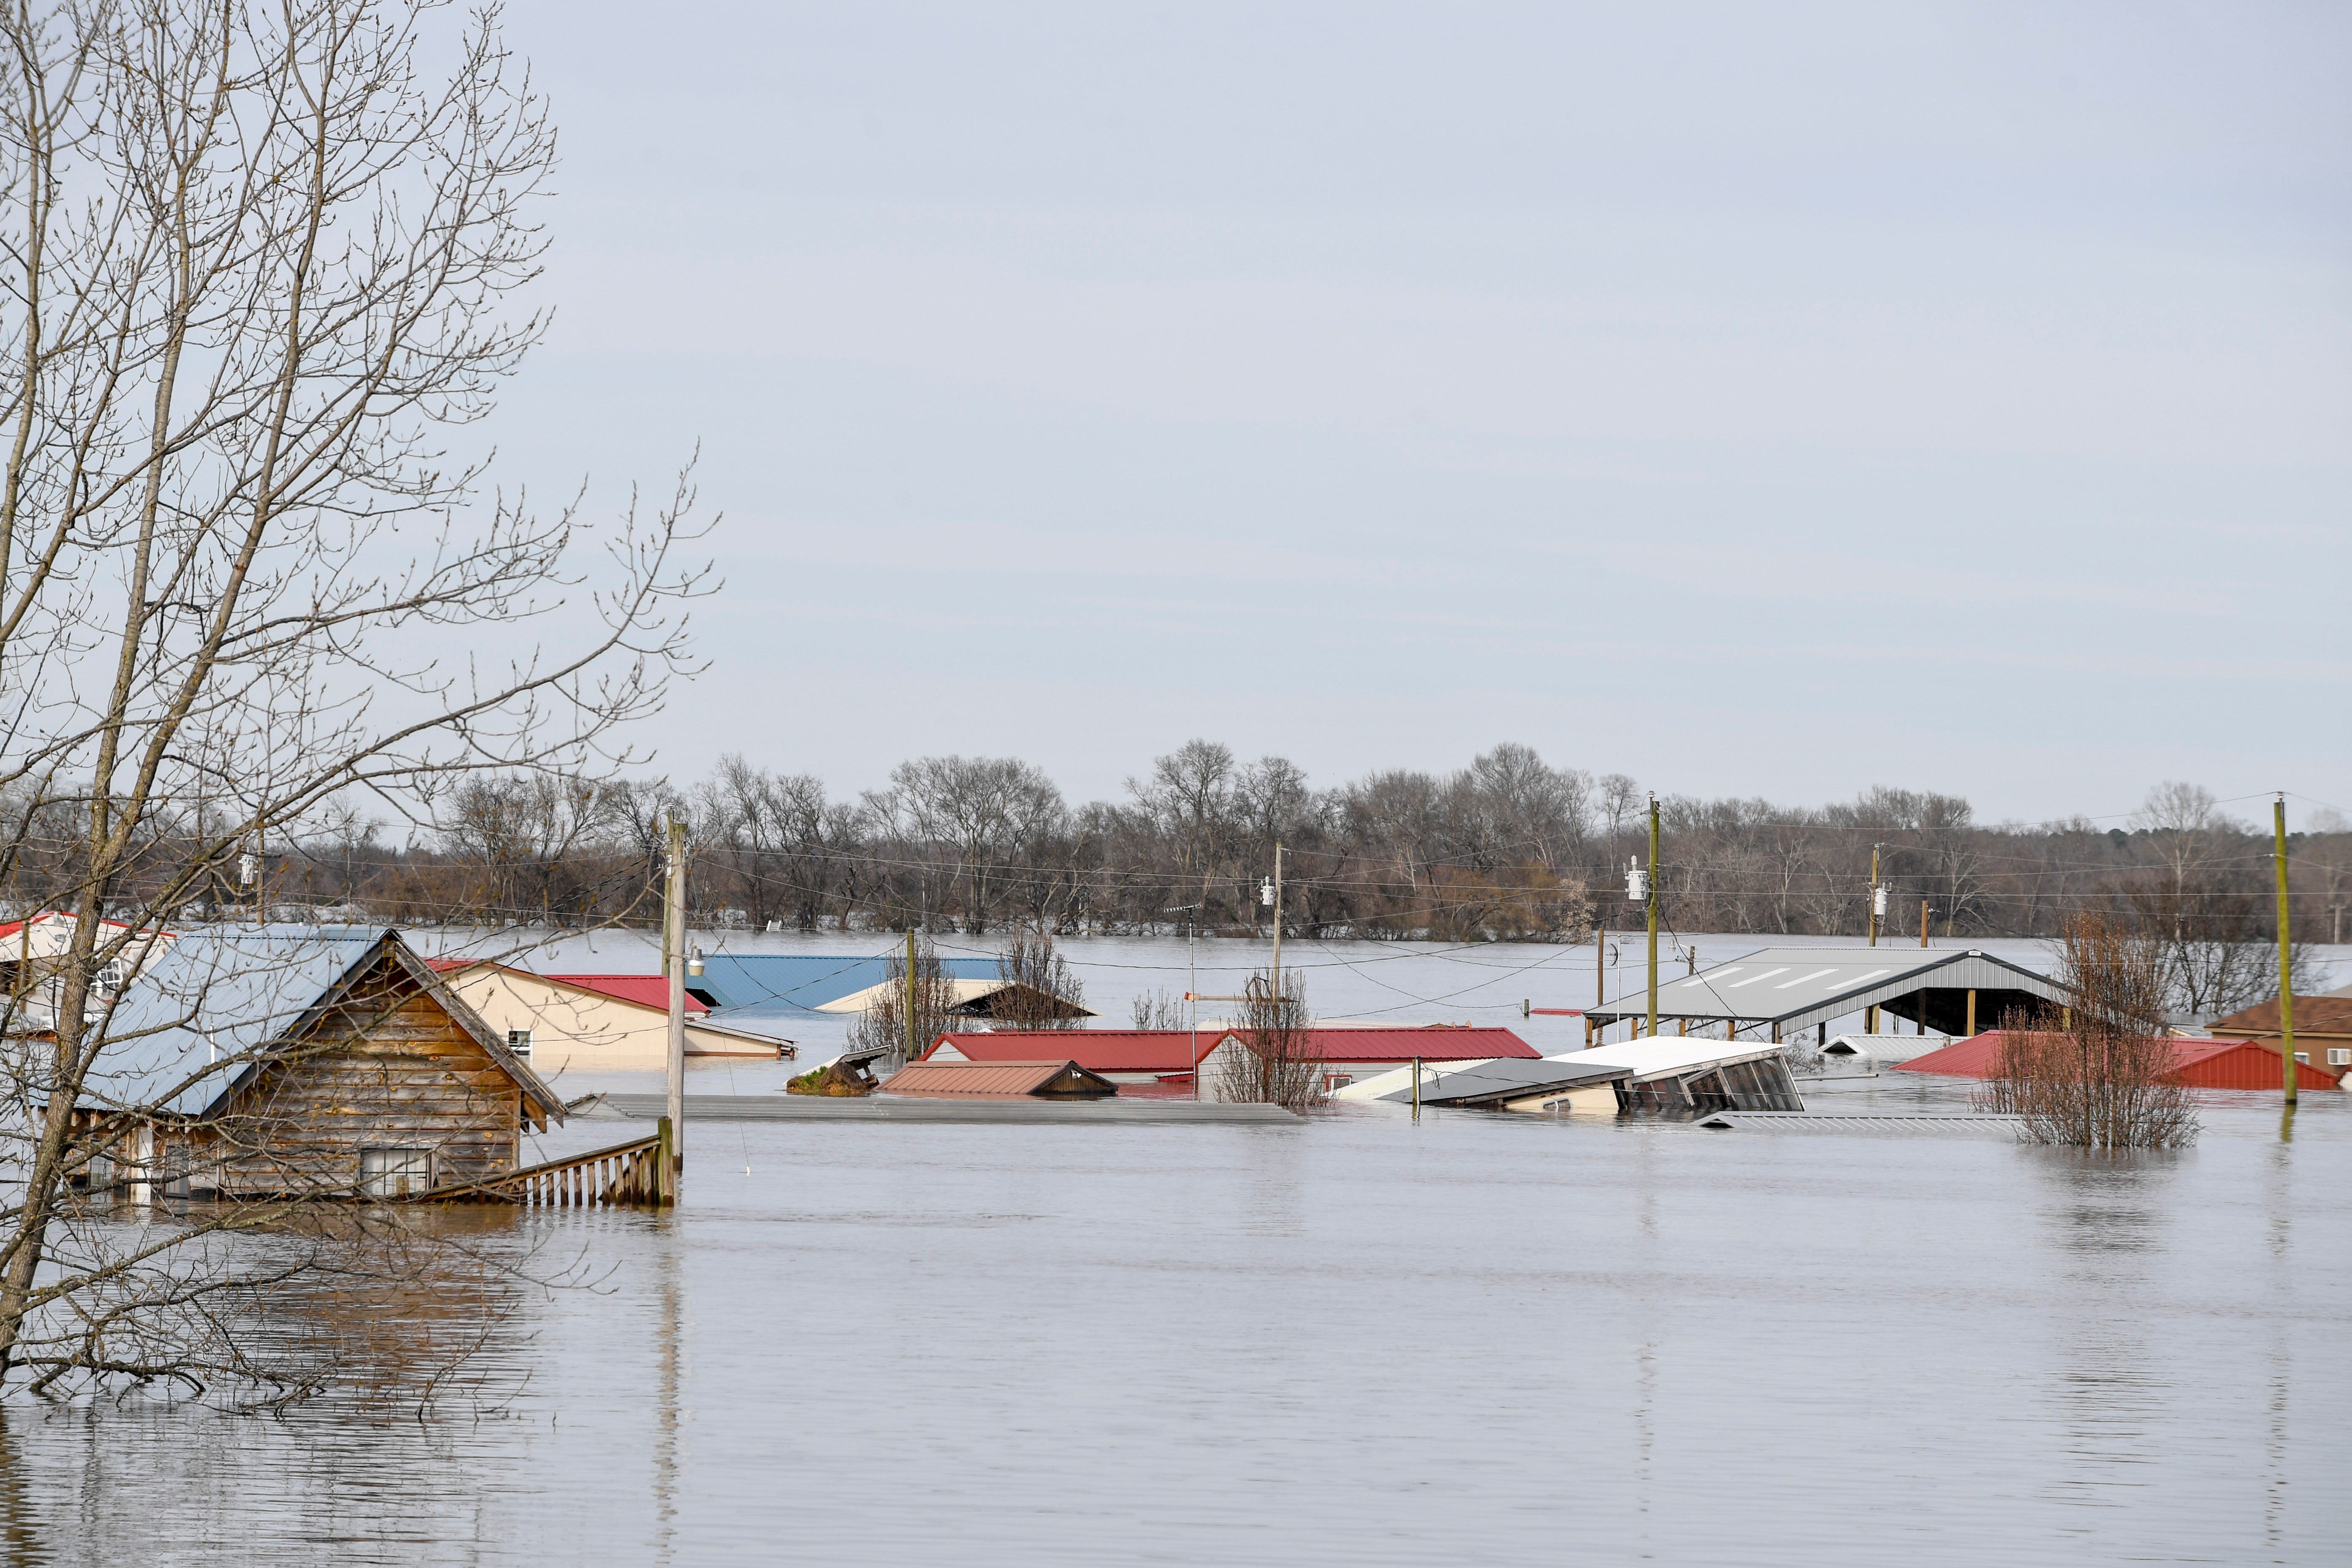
(2313, 1015)
(1062, 1080)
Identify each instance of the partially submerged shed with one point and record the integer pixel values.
(1062, 1080)
(1783, 990)
(1502, 1083)
(304, 1062)
(1348, 1054)
(1677, 1075)
(1127, 1057)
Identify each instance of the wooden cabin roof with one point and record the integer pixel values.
(224, 1002)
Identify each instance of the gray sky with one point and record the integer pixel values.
(1755, 400)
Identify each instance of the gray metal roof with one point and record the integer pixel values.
(217, 1002)
(1503, 1078)
(1796, 987)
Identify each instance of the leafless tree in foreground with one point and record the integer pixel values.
(255, 287)
(1279, 1065)
(2098, 1076)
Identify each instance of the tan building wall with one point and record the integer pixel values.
(572, 1030)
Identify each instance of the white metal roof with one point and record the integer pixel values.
(1798, 987)
(1668, 1055)
(1886, 1047)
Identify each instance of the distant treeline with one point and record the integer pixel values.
(1509, 848)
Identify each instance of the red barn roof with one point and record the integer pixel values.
(643, 990)
(1437, 1043)
(1097, 1050)
(2199, 1064)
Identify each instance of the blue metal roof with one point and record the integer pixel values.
(776, 985)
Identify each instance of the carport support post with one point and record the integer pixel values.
(2286, 967)
(1972, 1014)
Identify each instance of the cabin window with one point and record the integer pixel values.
(2339, 1056)
(519, 1042)
(394, 1172)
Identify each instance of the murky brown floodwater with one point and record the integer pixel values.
(1480, 1339)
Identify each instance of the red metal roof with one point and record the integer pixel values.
(1058, 1080)
(1437, 1043)
(644, 990)
(1097, 1050)
(1172, 1050)
(2199, 1064)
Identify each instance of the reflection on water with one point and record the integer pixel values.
(1360, 1340)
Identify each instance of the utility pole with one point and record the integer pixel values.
(911, 992)
(1922, 923)
(2286, 967)
(673, 1144)
(1600, 978)
(1653, 890)
(1277, 917)
(1878, 908)
(1877, 897)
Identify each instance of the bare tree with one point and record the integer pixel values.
(906, 1018)
(257, 280)
(1040, 989)
(1278, 1064)
(2100, 1076)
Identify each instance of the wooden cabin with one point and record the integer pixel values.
(310, 1064)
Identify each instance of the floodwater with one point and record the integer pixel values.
(1356, 1339)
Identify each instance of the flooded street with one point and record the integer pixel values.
(1360, 1340)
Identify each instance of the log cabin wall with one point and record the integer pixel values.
(388, 1068)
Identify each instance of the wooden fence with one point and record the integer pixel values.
(627, 1173)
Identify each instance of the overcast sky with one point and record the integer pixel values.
(1755, 400)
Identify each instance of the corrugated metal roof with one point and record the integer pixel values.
(1796, 987)
(787, 984)
(1884, 1048)
(199, 1019)
(1666, 1056)
(644, 990)
(1097, 1050)
(2201, 1064)
(1494, 1080)
(1438, 1043)
(2322, 1014)
(964, 1080)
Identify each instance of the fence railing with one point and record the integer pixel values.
(627, 1173)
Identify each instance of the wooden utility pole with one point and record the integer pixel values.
(1653, 1030)
(2286, 965)
(1870, 1015)
(674, 958)
(1922, 923)
(1874, 895)
(911, 992)
(1277, 917)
